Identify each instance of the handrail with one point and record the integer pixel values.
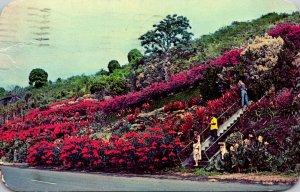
(227, 109)
(185, 146)
(219, 116)
(208, 126)
(219, 137)
(228, 130)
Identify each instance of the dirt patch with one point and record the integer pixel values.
(256, 178)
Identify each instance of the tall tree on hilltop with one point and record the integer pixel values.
(172, 31)
(38, 77)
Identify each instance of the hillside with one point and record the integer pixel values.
(131, 77)
(147, 128)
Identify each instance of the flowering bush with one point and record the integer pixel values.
(43, 153)
(174, 106)
(229, 58)
(290, 33)
(247, 156)
(284, 99)
(154, 149)
(200, 114)
(77, 152)
(262, 54)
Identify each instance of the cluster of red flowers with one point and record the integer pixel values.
(218, 106)
(229, 58)
(135, 151)
(174, 106)
(283, 100)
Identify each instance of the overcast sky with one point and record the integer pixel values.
(84, 35)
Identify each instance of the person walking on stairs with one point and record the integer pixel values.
(214, 127)
(197, 150)
(244, 95)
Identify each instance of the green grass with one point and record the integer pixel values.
(183, 95)
(203, 172)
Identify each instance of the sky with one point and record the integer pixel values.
(74, 37)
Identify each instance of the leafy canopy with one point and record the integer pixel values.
(2, 91)
(113, 65)
(172, 31)
(38, 77)
(134, 56)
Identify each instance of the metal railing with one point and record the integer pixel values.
(217, 140)
(207, 129)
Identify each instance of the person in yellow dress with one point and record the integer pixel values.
(214, 127)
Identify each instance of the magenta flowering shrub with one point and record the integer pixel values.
(290, 33)
(284, 100)
(271, 118)
(229, 58)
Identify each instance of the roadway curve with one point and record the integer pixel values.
(21, 179)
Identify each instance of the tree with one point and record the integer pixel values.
(38, 77)
(102, 72)
(112, 65)
(134, 56)
(208, 87)
(98, 86)
(170, 32)
(117, 85)
(2, 91)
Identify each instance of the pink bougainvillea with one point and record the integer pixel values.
(290, 33)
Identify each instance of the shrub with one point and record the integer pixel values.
(262, 54)
(246, 156)
(117, 85)
(113, 65)
(43, 153)
(134, 57)
(102, 72)
(98, 86)
(208, 87)
(290, 33)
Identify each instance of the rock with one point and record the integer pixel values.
(212, 180)
(150, 114)
(178, 112)
(134, 127)
(268, 183)
(72, 102)
(296, 62)
(105, 98)
(58, 106)
(102, 135)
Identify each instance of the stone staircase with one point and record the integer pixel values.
(211, 148)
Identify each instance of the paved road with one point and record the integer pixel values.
(3, 188)
(41, 180)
